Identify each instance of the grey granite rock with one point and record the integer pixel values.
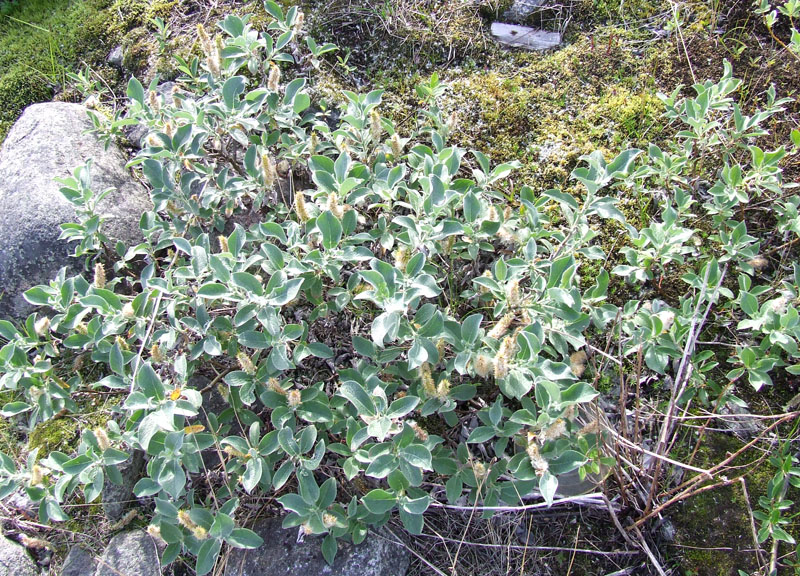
(130, 554)
(78, 562)
(116, 498)
(525, 38)
(282, 555)
(116, 57)
(49, 141)
(14, 560)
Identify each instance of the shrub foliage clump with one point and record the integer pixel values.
(452, 292)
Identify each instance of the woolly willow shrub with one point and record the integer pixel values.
(464, 295)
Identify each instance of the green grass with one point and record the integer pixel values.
(39, 41)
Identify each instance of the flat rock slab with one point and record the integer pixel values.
(48, 141)
(282, 555)
(14, 560)
(78, 562)
(523, 37)
(130, 554)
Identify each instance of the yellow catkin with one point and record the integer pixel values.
(479, 469)
(555, 430)
(375, 128)
(35, 543)
(99, 276)
(127, 311)
(502, 326)
(246, 364)
(396, 145)
(313, 143)
(428, 384)
(155, 532)
(122, 343)
(37, 475)
(442, 390)
(205, 40)
(483, 365)
(42, 326)
(268, 171)
(223, 243)
(102, 439)
(177, 102)
(156, 354)
(153, 100)
(334, 206)
(539, 464)
(401, 257)
(503, 358)
(577, 363)
(230, 450)
(492, 215)
(328, 520)
(125, 520)
(441, 348)
(274, 79)
(513, 295)
(293, 398)
(200, 533)
(275, 385)
(300, 207)
(169, 129)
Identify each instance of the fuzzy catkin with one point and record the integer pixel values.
(99, 276)
(300, 207)
(268, 171)
(274, 79)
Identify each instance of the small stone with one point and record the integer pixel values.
(282, 555)
(78, 563)
(115, 57)
(523, 37)
(117, 497)
(14, 560)
(132, 554)
(521, 10)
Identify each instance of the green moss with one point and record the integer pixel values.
(51, 435)
(64, 434)
(713, 527)
(39, 40)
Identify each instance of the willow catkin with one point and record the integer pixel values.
(502, 326)
(274, 79)
(268, 171)
(298, 23)
(99, 276)
(396, 145)
(577, 363)
(483, 365)
(375, 128)
(300, 207)
(334, 206)
(503, 358)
